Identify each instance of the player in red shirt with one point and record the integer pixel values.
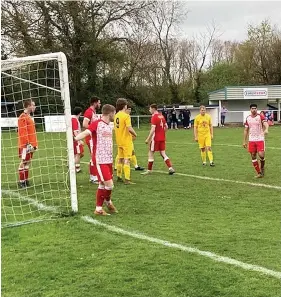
(78, 146)
(101, 132)
(89, 117)
(157, 139)
(256, 127)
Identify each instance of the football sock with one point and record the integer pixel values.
(107, 193)
(256, 165)
(210, 156)
(77, 166)
(22, 174)
(168, 163)
(127, 171)
(99, 197)
(134, 161)
(203, 156)
(150, 165)
(119, 170)
(262, 163)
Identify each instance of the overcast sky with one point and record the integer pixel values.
(232, 17)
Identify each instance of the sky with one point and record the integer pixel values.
(231, 17)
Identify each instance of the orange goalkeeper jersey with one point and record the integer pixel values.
(26, 131)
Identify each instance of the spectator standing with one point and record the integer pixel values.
(223, 115)
(186, 118)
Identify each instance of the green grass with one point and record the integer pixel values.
(69, 257)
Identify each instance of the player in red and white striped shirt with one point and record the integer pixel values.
(101, 133)
(89, 117)
(157, 139)
(256, 127)
(78, 146)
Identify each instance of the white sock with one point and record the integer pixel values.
(136, 166)
(98, 208)
(108, 202)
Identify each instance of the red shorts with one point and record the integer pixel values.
(157, 146)
(105, 172)
(24, 155)
(90, 145)
(256, 146)
(78, 148)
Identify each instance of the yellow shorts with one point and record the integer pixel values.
(204, 140)
(125, 152)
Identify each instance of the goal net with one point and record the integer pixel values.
(50, 190)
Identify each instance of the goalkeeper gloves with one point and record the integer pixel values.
(30, 148)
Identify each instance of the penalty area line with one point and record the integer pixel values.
(223, 180)
(207, 254)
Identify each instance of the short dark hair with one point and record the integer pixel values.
(94, 99)
(77, 110)
(121, 103)
(154, 106)
(253, 105)
(107, 109)
(27, 102)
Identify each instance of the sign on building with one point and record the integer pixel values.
(255, 93)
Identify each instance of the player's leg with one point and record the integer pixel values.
(208, 145)
(166, 159)
(127, 169)
(120, 164)
(261, 153)
(116, 162)
(108, 186)
(252, 148)
(150, 161)
(201, 143)
(77, 157)
(92, 167)
(134, 162)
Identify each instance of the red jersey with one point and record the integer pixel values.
(103, 143)
(159, 122)
(91, 115)
(255, 125)
(75, 125)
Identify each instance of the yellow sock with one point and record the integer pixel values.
(116, 162)
(134, 160)
(127, 171)
(119, 170)
(203, 156)
(210, 156)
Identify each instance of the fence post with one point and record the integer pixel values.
(138, 122)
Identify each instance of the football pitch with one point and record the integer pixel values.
(201, 232)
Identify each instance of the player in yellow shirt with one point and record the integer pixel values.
(124, 134)
(203, 134)
(134, 160)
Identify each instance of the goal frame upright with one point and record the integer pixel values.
(65, 96)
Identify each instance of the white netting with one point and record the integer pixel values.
(51, 189)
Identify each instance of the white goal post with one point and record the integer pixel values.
(51, 188)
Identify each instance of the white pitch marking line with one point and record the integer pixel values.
(188, 249)
(38, 205)
(223, 180)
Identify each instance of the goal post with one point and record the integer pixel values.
(51, 188)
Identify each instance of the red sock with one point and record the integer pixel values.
(150, 164)
(99, 197)
(107, 194)
(26, 171)
(22, 175)
(256, 165)
(168, 163)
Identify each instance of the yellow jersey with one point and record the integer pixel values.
(203, 124)
(122, 121)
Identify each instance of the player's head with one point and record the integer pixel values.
(129, 109)
(202, 109)
(121, 104)
(77, 111)
(29, 105)
(95, 102)
(153, 108)
(254, 109)
(108, 111)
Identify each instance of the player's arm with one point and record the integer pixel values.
(86, 122)
(246, 134)
(211, 129)
(82, 135)
(264, 125)
(22, 131)
(195, 130)
(152, 131)
(166, 127)
(129, 126)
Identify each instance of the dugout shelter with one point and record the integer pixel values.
(237, 100)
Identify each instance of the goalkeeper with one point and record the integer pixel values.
(27, 141)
